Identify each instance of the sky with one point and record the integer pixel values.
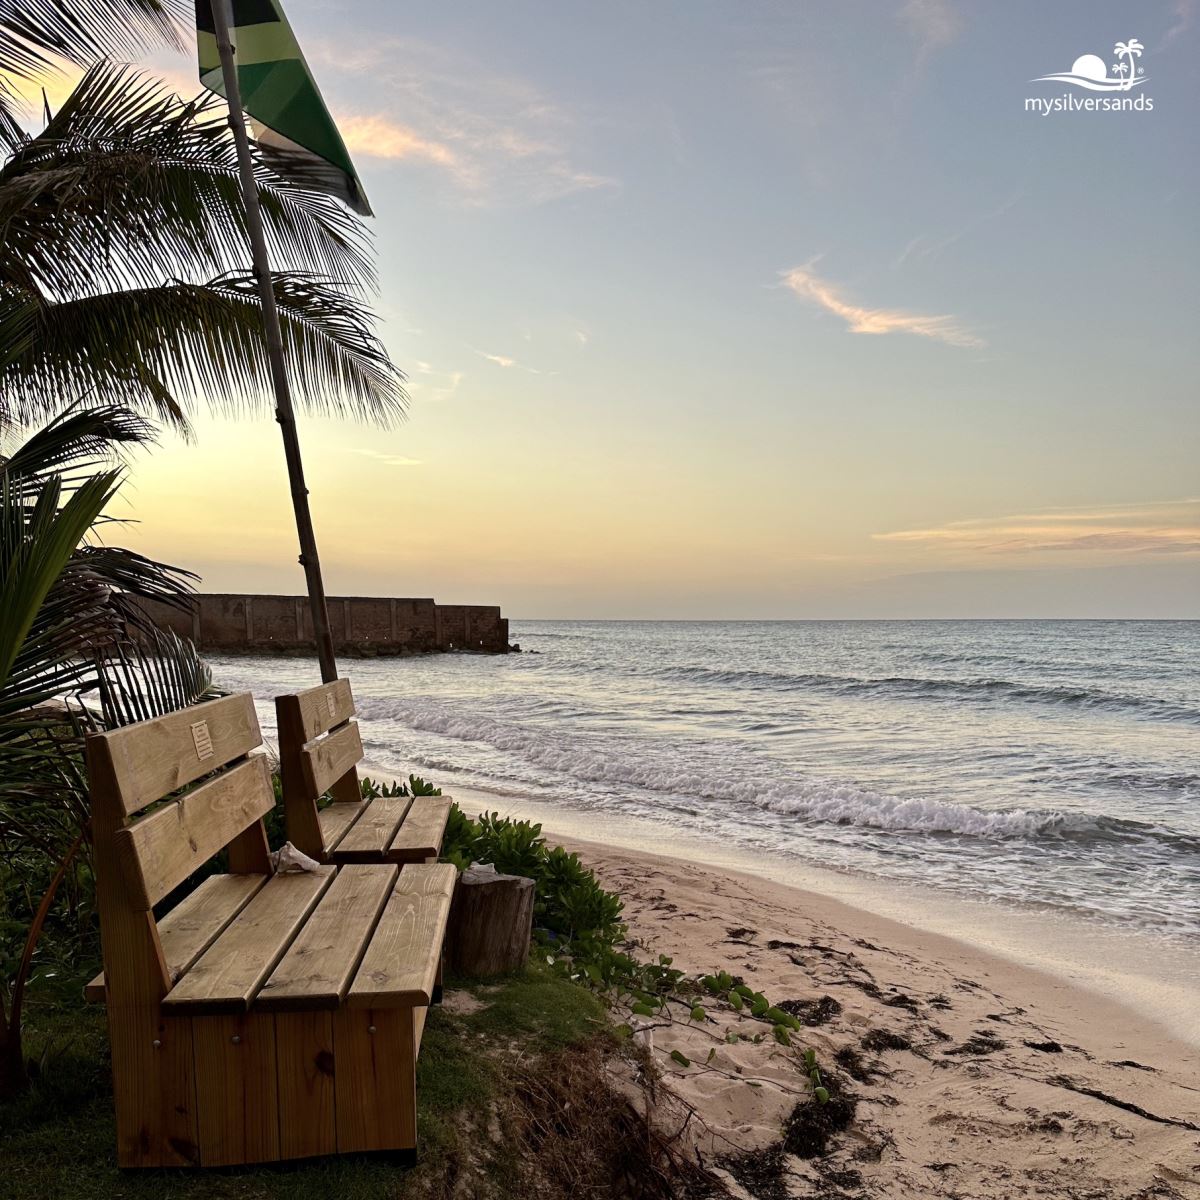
(745, 310)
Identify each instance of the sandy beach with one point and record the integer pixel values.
(975, 1077)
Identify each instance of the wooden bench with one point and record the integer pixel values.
(265, 1016)
(319, 752)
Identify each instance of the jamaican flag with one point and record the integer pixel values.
(292, 125)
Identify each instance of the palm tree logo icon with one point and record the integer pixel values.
(1127, 50)
(1090, 71)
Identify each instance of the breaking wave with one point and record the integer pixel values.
(916, 688)
(587, 761)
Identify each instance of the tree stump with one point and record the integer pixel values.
(491, 922)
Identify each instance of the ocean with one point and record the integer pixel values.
(1050, 765)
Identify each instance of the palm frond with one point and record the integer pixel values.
(74, 444)
(131, 577)
(144, 346)
(44, 626)
(128, 185)
(162, 673)
(18, 326)
(34, 34)
(62, 592)
(12, 135)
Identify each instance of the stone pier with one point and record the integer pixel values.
(362, 626)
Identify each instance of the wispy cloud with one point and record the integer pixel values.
(381, 137)
(389, 460)
(1155, 527)
(930, 246)
(495, 137)
(806, 284)
(935, 24)
(503, 360)
(1183, 11)
(427, 382)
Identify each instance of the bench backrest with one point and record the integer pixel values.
(145, 849)
(134, 767)
(319, 751)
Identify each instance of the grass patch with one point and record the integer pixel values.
(58, 1141)
(542, 1008)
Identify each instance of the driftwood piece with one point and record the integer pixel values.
(491, 922)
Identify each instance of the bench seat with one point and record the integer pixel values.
(399, 829)
(366, 935)
(319, 751)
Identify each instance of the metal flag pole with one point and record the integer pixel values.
(222, 11)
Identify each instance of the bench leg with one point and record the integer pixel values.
(304, 1042)
(154, 1090)
(375, 1080)
(237, 1093)
(436, 995)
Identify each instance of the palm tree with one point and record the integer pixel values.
(71, 625)
(1131, 49)
(124, 268)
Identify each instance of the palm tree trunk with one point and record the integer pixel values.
(284, 413)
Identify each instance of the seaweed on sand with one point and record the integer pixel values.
(810, 1126)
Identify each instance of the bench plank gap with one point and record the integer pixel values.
(318, 966)
(335, 821)
(189, 929)
(366, 839)
(228, 975)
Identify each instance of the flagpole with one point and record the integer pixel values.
(222, 11)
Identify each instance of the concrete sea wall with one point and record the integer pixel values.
(361, 625)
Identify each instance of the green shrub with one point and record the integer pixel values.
(416, 786)
(570, 906)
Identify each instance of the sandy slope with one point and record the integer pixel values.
(988, 1100)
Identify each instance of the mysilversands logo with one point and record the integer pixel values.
(1091, 73)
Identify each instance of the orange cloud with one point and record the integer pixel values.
(809, 286)
(380, 137)
(1160, 527)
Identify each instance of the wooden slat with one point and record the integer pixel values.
(237, 1090)
(375, 1081)
(299, 808)
(372, 833)
(324, 762)
(194, 924)
(304, 1050)
(160, 850)
(317, 969)
(420, 835)
(152, 1062)
(153, 758)
(401, 963)
(321, 708)
(228, 975)
(334, 819)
